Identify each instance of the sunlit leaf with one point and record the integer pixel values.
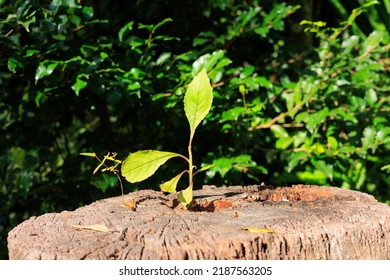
(185, 196)
(88, 154)
(321, 165)
(296, 158)
(223, 165)
(14, 64)
(349, 43)
(142, 164)
(233, 114)
(127, 27)
(283, 143)
(207, 61)
(170, 186)
(197, 100)
(332, 142)
(279, 131)
(204, 168)
(44, 70)
(79, 84)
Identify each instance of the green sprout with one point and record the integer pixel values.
(140, 165)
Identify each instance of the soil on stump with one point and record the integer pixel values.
(250, 222)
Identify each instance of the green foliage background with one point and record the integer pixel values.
(289, 106)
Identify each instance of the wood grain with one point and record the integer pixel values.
(306, 222)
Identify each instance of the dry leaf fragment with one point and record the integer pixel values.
(132, 205)
(101, 228)
(258, 230)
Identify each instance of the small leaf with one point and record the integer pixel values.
(349, 43)
(207, 61)
(204, 168)
(296, 158)
(197, 100)
(279, 131)
(170, 186)
(143, 164)
(321, 165)
(185, 196)
(18, 156)
(283, 143)
(88, 154)
(258, 230)
(14, 64)
(101, 228)
(44, 70)
(164, 21)
(127, 27)
(79, 84)
(332, 142)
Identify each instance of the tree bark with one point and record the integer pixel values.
(251, 222)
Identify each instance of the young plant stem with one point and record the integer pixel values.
(191, 167)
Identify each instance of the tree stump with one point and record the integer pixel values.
(252, 222)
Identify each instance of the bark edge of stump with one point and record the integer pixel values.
(300, 222)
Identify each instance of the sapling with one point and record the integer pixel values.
(140, 165)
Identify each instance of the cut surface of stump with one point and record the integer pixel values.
(251, 222)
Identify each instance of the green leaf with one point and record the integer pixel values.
(127, 27)
(317, 119)
(222, 166)
(349, 43)
(283, 143)
(197, 100)
(233, 114)
(164, 21)
(241, 163)
(262, 31)
(170, 186)
(327, 169)
(88, 154)
(207, 61)
(371, 96)
(279, 131)
(295, 159)
(386, 167)
(344, 113)
(299, 138)
(14, 64)
(143, 164)
(108, 180)
(312, 177)
(372, 41)
(204, 168)
(18, 156)
(185, 196)
(44, 70)
(87, 12)
(79, 84)
(332, 142)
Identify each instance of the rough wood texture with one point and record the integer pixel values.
(308, 222)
